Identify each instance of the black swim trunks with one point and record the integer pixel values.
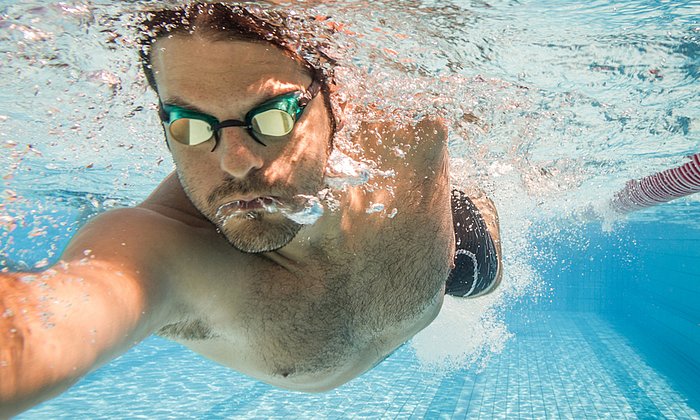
(476, 262)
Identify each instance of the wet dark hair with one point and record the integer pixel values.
(304, 38)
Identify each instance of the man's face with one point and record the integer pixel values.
(226, 79)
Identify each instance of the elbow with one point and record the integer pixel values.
(14, 393)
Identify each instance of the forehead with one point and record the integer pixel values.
(188, 65)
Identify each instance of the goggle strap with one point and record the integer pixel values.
(161, 112)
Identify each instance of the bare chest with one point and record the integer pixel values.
(342, 310)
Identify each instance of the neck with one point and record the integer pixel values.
(312, 243)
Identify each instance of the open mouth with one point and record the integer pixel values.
(268, 204)
(301, 209)
(246, 208)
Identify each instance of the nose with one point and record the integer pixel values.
(239, 154)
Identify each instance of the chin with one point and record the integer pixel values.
(262, 233)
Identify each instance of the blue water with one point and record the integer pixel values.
(616, 335)
(598, 319)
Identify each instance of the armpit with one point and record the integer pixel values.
(193, 330)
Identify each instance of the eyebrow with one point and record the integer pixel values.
(182, 103)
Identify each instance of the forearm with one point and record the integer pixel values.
(57, 326)
(24, 380)
(21, 385)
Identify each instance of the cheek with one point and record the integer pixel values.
(316, 132)
(192, 158)
(306, 154)
(192, 170)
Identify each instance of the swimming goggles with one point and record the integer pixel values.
(270, 121)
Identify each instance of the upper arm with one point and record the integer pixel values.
(97, 302)
(122, 256)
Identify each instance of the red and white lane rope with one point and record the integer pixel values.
(659, 188)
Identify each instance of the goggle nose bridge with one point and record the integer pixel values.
(216, 129)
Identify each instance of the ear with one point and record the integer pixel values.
(337, 105)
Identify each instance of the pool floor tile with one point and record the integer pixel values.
(559, 365)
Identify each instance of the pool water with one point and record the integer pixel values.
(615, 336)
(599, 313)
(562, 365)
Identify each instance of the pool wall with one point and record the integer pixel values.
(644, 278)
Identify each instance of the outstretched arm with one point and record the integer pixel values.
(58, 325)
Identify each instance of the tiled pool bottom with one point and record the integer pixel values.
(559, 365)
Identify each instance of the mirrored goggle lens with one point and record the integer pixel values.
(190, 131)
(273, 122)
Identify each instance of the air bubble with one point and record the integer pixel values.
(375, 208)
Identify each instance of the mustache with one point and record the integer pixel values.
(233, 186)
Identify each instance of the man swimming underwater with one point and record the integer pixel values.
(222, 258)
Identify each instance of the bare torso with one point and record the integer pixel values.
(318, 312)
(362, 285)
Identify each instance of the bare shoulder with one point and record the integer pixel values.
(392, 141)
(169, 200)
(120, 233)
(154, 226)
(410, 159)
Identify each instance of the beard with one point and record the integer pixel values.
(256, 230)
